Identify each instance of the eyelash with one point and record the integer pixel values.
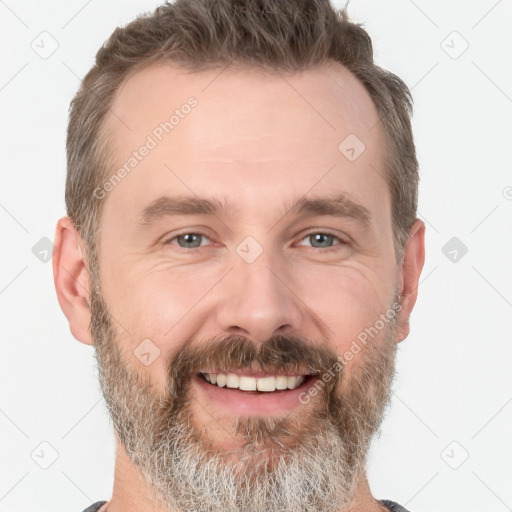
(305, 235)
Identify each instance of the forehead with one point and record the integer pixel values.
(247, 129)
(328, 99)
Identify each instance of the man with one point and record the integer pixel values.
(242, 250)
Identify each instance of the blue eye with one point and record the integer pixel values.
(318, 240)
(190, 240)
(324, 240)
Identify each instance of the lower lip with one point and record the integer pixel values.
(253, 403)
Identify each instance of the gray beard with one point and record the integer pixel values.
(317, 472)
(309, 478)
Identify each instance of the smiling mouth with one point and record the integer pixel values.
(264, 384)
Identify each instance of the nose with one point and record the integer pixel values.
(258, 301)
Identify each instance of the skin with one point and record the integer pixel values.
(260, 141)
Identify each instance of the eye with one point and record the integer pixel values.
(318, 240)
(324, 240)
(188, 240)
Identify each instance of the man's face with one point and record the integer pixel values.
(263, 292)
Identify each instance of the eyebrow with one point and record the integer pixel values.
(338, 205)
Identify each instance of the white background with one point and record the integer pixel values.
(453, 392)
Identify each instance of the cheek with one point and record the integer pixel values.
(346, 298)
(157, 310)
(153, 298)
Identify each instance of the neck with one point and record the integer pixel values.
(132, 494)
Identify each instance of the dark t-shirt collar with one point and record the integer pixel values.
(394, 507)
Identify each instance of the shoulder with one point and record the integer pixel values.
(394, 507)
(95, 506)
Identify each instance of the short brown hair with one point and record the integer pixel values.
(288, 35)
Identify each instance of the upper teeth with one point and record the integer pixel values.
(246, 383)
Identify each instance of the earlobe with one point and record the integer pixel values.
(408, 282)
(71, 278)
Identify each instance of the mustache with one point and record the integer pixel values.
(279, 354)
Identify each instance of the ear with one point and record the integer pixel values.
(408, 280)
(71, 277)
